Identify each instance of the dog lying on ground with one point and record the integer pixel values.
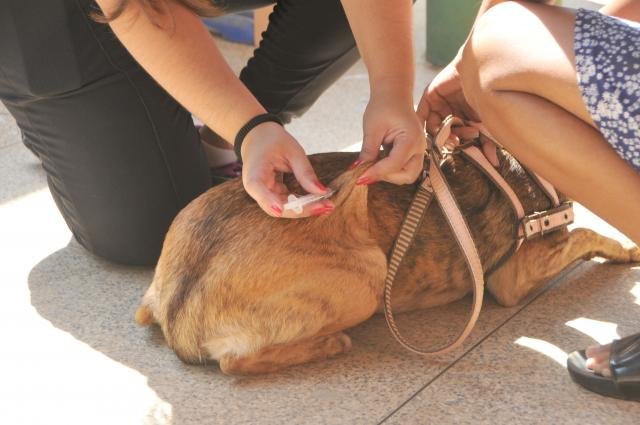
(258, 294)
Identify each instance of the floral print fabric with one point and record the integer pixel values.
(607, 53)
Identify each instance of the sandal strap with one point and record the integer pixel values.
(625, 363)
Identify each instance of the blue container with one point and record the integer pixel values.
(237, 27)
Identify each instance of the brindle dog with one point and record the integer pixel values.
(257, 294)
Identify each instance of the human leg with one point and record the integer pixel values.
(527, 95)
(307, 46)
(121, 156)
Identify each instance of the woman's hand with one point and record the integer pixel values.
(443, 97)
(392, 123)
(267, 152)
(383, 33)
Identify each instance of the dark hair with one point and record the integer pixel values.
(153, 7)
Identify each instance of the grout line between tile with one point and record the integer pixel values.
(555, 281)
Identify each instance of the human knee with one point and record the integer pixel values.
(133, 241)
(488, 55)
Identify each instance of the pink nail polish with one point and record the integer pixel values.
(276, 209)
(322, 210)
(365, 181)
(355, 164)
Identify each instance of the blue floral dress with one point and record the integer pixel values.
(607, 52)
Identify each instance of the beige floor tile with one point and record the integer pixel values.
(21, 171)
(518, 375)
(71, 353)
(88, 305)
(8, 131)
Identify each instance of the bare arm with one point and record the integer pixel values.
(382, 29)
(179, 53)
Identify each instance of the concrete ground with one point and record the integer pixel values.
(71, 353)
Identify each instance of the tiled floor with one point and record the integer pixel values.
(71, 353)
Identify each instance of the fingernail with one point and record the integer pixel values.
(277, 209)
(321, 186)
(355, 164)
(322, 210)
(365, 181)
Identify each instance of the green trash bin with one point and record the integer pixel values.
(448, 24)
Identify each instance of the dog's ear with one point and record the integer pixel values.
(350, 199)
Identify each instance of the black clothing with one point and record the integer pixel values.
(122, 157)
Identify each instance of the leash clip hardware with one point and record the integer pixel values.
(424, 175)
(543, 222)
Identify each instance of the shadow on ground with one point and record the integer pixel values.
(95, 302)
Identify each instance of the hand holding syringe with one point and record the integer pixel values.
(296, 204)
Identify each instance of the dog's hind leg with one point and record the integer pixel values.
(540, 259)
(277, 357)
(302, 324)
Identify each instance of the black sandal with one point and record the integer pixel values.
(624, 362)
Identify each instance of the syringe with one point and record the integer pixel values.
(296, 204)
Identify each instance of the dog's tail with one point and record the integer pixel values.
(144, 314)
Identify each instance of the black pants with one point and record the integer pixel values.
(122, 157)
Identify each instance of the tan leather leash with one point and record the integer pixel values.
(435, 183)
(486, 160)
